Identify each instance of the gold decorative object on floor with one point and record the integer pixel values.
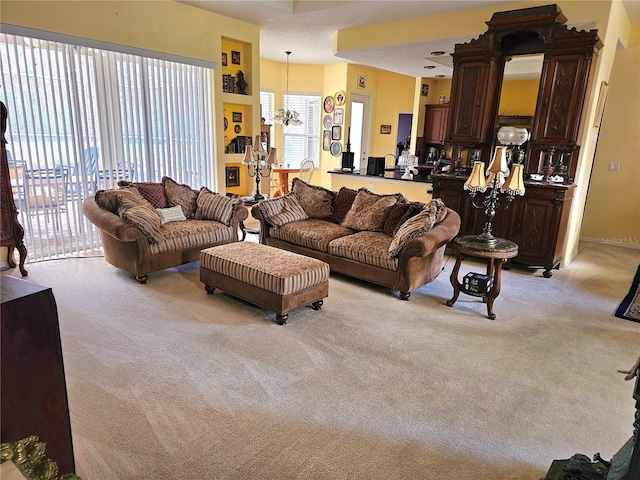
(28, 455)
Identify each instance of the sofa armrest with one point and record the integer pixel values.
(264, 225)
(441, 234)
(108, 222)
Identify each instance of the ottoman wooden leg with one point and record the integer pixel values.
(317, 305)
(209, 289)
(282, 319)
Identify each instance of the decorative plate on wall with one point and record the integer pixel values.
(340, 98)
(336, 149)
(226, 123)
(327, 121)
(328, 104)
(237, 129)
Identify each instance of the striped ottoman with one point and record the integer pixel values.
(265, 276)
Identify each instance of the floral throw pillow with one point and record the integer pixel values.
(316, 201)
(369, 211)
(433, 212)
(180, 194)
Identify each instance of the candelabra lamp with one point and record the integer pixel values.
(259, 164)
(499, 180)
(514, 137)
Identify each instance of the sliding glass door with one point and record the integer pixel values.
(81, 119)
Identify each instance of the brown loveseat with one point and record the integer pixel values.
(147, 227)
(383, 239)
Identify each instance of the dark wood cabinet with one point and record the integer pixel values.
(435, 123)
(537, 222)
(33, 388)
(11, 232)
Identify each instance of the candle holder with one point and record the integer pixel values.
(259, 165)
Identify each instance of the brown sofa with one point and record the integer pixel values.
(383, 239)
(136, 242)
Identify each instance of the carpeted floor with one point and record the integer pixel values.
(629, 308)
(166, 382)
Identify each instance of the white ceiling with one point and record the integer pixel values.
(307, 28)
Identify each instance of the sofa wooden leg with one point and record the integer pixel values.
(405, 295)
(142, 278)
(282, 319)
(209, 289)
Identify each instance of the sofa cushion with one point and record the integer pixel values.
(178, 236)
(432, 213)
(371, 248)
(140, 216)
(171, 214)
(108, 199)
(369, 211)
(400, 213)
(213, 206)
(282, 210)
(316, 201)
(312, 233)
(151, 191)
(342, 204)
(180, 194)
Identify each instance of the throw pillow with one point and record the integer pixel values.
(141, 216)
(171, 214)
(180, 194)
(281, 210)
(432, 213)
(316, 201)
(213, 206)
(342, 204)
(152, 192)
(400, 213)
(108, 199)
(369, 211)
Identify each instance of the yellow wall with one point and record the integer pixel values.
(413, 191)
(612, 213)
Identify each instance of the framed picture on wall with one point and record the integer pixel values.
(425, 90)
(235, 57)
(224, 59)
(338, 116)
(232, 176)
(336, 133)
(362, 82)
(385, 129)
(237, 117)
(326, 140)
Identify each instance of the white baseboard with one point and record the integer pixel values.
(4, 266)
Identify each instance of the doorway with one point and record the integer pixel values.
(360, 128)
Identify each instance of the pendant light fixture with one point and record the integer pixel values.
(285, 116)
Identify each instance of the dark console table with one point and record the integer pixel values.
(33, 390)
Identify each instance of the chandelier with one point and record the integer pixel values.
(285, 116)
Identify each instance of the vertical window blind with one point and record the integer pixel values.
(302, 141)
(81, 119)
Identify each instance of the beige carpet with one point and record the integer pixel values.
(166, 382)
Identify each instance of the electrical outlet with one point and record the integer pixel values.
(614, 166)
(372, 185)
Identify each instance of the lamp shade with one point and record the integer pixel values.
(499, 162)
(248, 158)
(272, 159)
(258, 144)
(515, 183)
(476, 182)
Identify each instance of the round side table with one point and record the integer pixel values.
(469, 245)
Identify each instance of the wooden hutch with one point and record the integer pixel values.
(538, 221)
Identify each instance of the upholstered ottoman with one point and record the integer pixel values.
(265, 276)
